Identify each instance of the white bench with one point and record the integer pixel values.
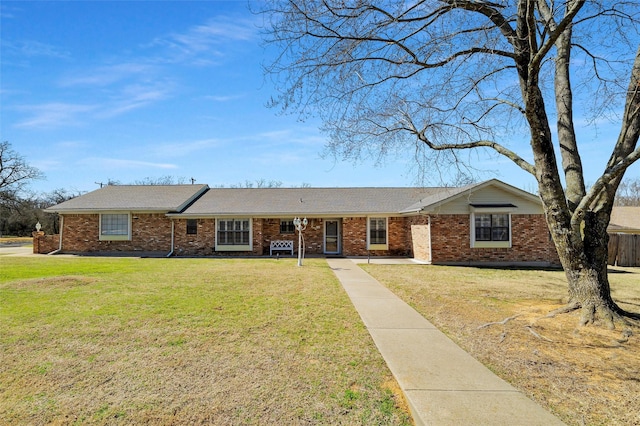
(281, 245)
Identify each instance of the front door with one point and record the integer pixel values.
(332, 236)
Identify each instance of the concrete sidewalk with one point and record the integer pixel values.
(442, 383)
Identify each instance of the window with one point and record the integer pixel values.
(114, 226)
(192, 226)
(233, 232)
(377, 230)
(377, 233)
(492, 227)
(287, 227)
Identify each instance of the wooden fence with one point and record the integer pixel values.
(624, 249)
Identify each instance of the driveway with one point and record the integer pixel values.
(16, 251)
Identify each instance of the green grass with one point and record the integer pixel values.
(121, 341)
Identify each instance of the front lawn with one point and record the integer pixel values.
(585, 375)
(185, 341)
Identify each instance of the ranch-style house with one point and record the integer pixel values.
(488, 222)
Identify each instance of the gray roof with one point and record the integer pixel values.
(202, 201)
(306, 201)
(161, 198)
(625, 218)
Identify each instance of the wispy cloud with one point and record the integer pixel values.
(119, 88)
(120, 101)
(30, 49)
(300, 137)
(116, 163)
(185, 148)
(107, 75)
(200, 44)
(225, 98)
(53, 114)
(135, 96)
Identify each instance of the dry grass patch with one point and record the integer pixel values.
(185, 341)
(585, 375)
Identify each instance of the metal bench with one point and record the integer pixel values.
(281, 245)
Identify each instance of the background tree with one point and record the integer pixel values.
(19, 217)
(628, 193)
(163, 180)
(15, 174)
(443, 78)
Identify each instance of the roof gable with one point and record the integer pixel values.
(491, 193)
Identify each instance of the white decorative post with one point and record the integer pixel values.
(300, 225)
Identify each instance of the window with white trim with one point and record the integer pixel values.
(115, 226)
(233, 232)
(492, 226)
(377, 230)
(377, 235)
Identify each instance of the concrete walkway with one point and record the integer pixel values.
(442, 383)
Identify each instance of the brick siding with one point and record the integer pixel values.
(43, 244)
(199, 244)
(149, 232)
(450, 241)
(313, 235)
(444, 237)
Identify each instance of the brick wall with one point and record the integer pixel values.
(149, 232)
(313, 235)
(446, 239)
(450, 241)
(43, 244)
(199, 244)
(399, 235)
(354, 237)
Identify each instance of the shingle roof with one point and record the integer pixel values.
(162, 198)
(625, 218)
(202, 201)
(306, 201)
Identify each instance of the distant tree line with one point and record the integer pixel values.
(21, 209)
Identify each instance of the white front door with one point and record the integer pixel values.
(332, 236)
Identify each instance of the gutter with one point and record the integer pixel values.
(172, 238)
(59, 242)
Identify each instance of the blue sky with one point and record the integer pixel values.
(127, 90)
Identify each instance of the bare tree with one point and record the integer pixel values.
(163, 180)
(628, 193)
(447, 77)
(259, 183)
(15, 174)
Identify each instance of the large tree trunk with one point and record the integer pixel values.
(584, 260)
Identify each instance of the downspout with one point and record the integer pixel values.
(60, 240)
(172, 232)
(430, 239)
